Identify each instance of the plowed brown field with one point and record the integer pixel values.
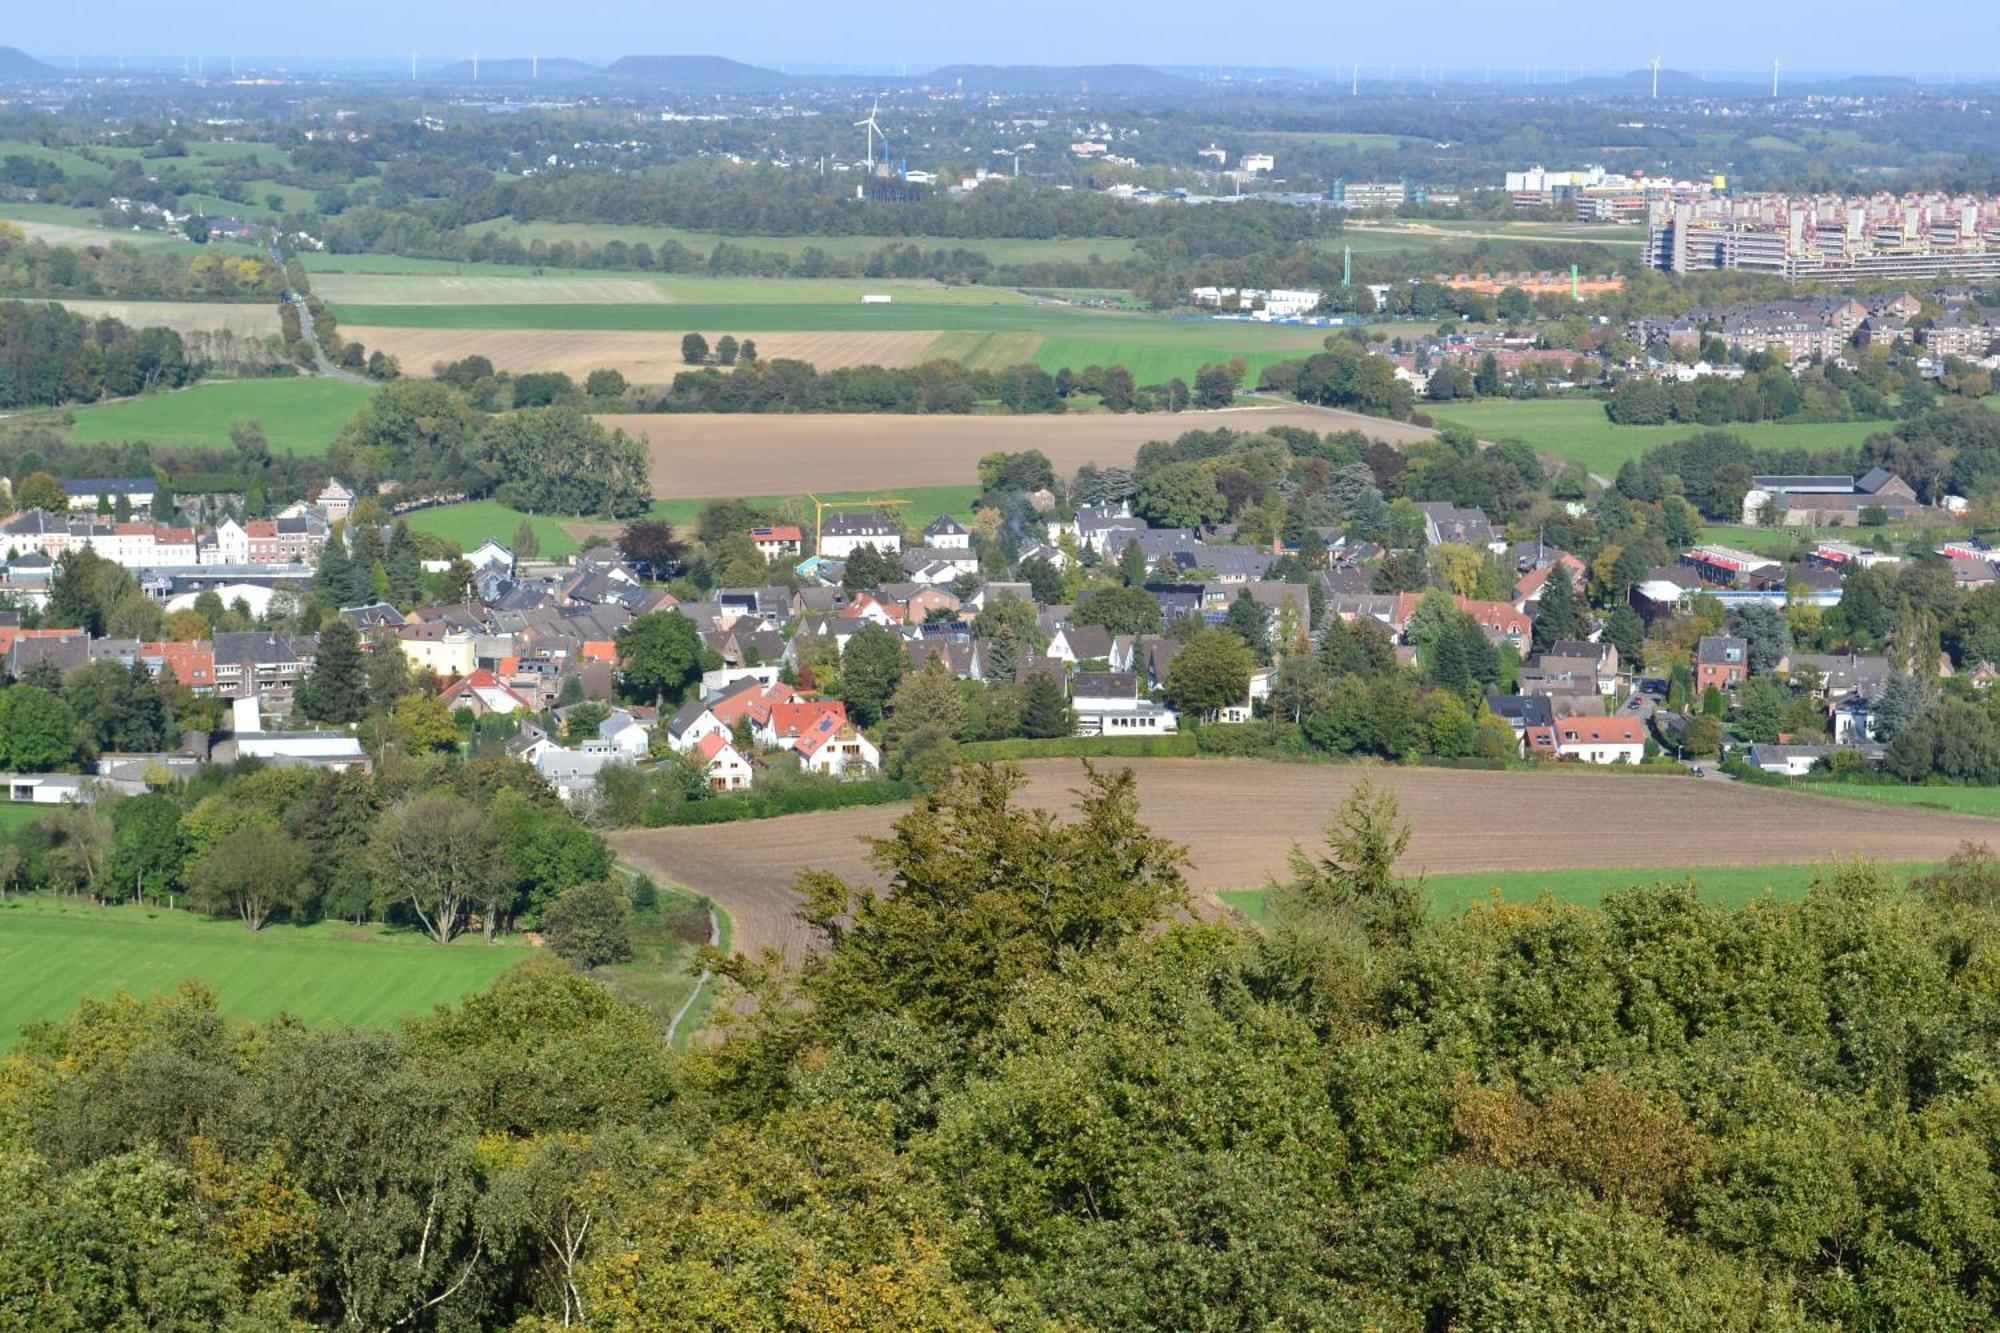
(1240, 819)
(697, 455)
(643, 358)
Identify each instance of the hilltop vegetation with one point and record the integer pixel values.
(1017, 1089)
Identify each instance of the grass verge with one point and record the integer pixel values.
(1729, 886)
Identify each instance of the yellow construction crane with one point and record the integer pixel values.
(821, 506)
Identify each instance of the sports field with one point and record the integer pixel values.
(925, 503)
(1577, 429)
(54, 951)
(473, 522)
(1240, 818)
(1730, 886)
(300, 415)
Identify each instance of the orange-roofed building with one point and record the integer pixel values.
(727, 770)
(192, 663)
(1502, 621)
(482, 693)
(1601, 740)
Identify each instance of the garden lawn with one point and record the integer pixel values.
(300, 415)
(1577, 429)
(1730, 886)
(474, 521)
(54, 951)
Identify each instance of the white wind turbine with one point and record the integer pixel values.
(874, 128)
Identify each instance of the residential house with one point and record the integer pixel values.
(725, 769)
(1795, 761)
(1108, 703)
(1080, 643)
(845, 533)
(92, 493)
(1839, 674)
(481, 692)
(625, 735)
(948, 533)
(776, 541)
(1446, 522)
(335, 500)
(261, 662)
(1721, 661)
(438, 646)
(1601, 740)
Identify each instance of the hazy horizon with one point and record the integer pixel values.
(1831, 38)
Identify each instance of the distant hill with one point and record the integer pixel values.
(18, 64)
(1058, 79)
(696, 73)
(553, 68)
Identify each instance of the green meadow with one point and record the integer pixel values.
(925, 504)
(300, 415)
(1959, 800)
(1730, 886)
(1577, 429)
(472, 522)
(54, 951)
(1001, 250)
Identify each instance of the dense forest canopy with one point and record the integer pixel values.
(1019, 1089)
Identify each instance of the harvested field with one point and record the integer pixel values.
(245, 321)
(1239, 819)
(484, 289)
(697, 455)
(643, 358)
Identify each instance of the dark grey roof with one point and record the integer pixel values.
(110, 486)
(1104, 685)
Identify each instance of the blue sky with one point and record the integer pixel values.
(1841, 35)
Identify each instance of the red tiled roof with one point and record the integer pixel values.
(1601, 730)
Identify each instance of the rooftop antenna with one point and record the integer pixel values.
(1774, 81)
(1656, 76)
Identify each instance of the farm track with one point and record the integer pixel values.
(698, 455)
(1240, 819)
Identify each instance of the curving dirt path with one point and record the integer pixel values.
(1239, 819)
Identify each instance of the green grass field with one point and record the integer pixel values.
(1001, 250)
(14, 818)
(926, 503)
(1730, 886)
(1960, 800)
(1000, 329)
(54, 951)
(473, 522)
(1577, 429)
(299, 415)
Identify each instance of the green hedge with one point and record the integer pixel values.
(785, 798)
(1180, 745)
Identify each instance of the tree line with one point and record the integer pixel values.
(49, 356)
(120, 272)
(1019, 1086)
